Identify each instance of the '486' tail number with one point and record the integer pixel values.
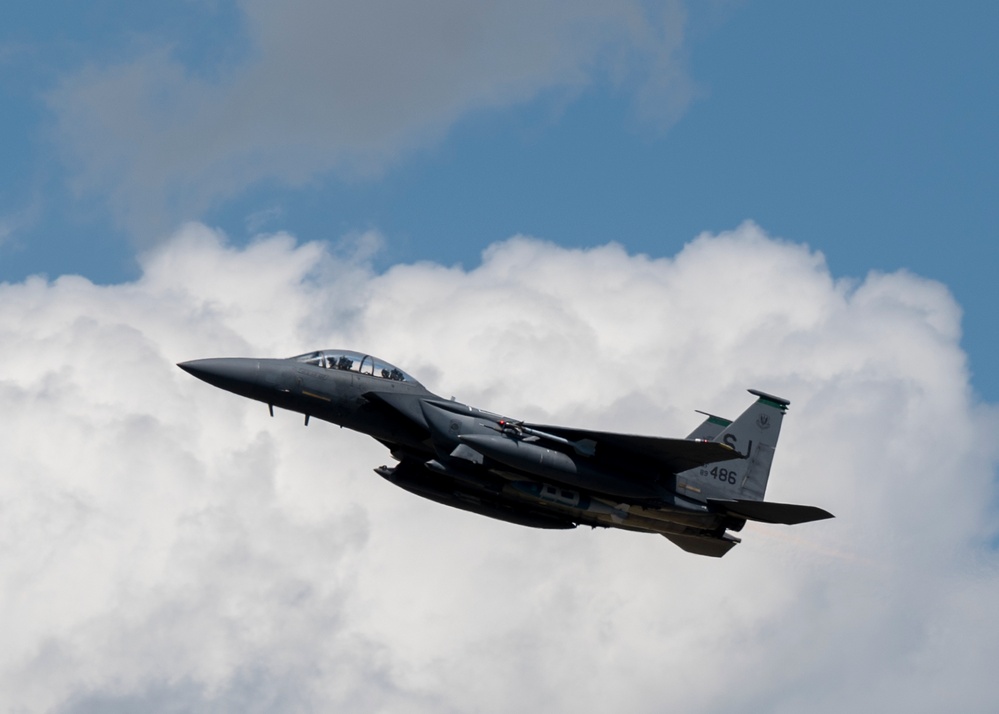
(723, 475)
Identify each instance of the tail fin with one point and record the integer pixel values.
(754, 435)
(710, 427)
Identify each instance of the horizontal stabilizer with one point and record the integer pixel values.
(703, 545)
(767, 512)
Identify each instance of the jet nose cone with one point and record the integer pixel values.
(232, 373)
(193, 367)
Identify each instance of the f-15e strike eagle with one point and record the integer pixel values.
(693, 491)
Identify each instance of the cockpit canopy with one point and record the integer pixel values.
(355, 362)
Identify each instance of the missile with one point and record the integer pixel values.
(557, 466)
(516, 429)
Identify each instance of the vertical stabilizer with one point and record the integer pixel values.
(711, 427)
(754, 435)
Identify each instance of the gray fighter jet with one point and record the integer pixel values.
(693, 491)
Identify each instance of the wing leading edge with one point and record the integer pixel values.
(675, 455)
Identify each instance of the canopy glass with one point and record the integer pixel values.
(355, 362)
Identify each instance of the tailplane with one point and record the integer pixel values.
(790, 514)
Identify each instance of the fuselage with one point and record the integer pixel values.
(462, 456)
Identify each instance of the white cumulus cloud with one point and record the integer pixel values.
(167, 546)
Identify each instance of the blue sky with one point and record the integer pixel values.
(866, 131)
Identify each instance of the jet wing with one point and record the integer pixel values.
(676, 455)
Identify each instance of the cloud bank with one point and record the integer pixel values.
(342, 86)
(166, 546)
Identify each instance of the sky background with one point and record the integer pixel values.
(865, 131)
(605, 214)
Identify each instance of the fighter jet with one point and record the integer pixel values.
(694, 491)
